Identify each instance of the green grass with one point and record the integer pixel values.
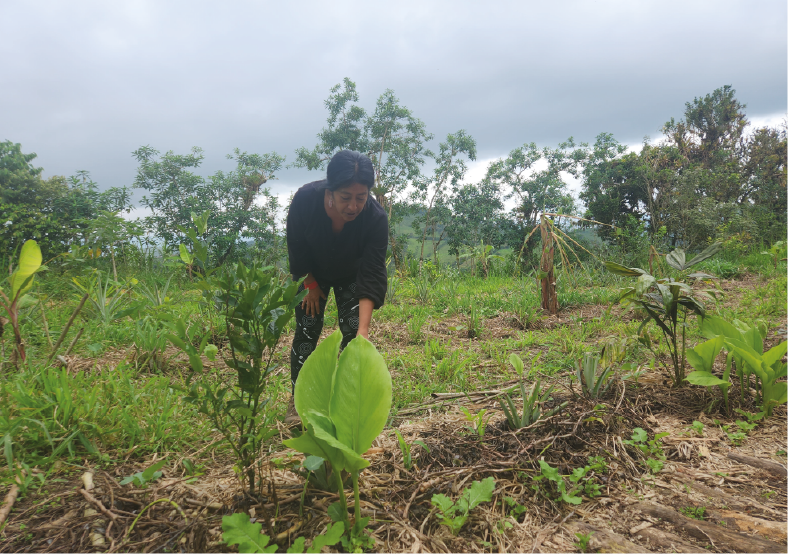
(116, 410)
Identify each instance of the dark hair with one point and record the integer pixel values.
(348, 166)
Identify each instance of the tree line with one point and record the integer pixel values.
(712, 177)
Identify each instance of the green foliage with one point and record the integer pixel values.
(698, 512)
(667, 303)
(344, 405)
(142, 478)
(331, 537)
(532, 402)
(256, 308)
(697, 427)
(406, 448)
(570, 490)
(745, 346)
(477, 421)
(455, 515)
(652, 449)
(582, 541)
(19, 283)
(237, 529)
(593, 383)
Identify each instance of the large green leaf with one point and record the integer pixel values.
(239, 530)
(774, 354)
(705, 255)
(619, 269)
(310, 443)
(361, 398)
(705, 379)
(29, 263)
(703, 355)
(713, 326)
(316, 379)
(677, 259)
(344, 457)
(775, 395)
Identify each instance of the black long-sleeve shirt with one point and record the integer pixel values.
(355, 254)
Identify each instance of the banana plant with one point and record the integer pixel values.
(20, 282)
(344, 405)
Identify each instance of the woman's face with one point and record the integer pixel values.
(350, 200)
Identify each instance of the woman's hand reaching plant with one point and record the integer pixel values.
(311, 302)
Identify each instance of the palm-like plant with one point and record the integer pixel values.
(667, 302)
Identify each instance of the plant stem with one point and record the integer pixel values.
(342, 499)
(357, 510)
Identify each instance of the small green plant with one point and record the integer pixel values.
(142, 478)
(570, 490)
(768, 494)
(652, 449)
(697, 427)
(582, 541)
(20, 282)
(416, 327)
(407, 461)
(257, 308)
(593, 383)
(776, 252)
(344, 403)
(737, 434)
(455, 515)
(745, 344)
(513, 508)
(694, 513)
(478, 423)
(237, 529)
(532, 400)
(331, 537)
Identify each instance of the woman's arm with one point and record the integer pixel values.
(365, 306)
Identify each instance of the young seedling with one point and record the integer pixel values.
(344, 403)
(593, 383)
(455, 515)
(582, 541)
(406, 448)
(478, 423)
(142, 478)
(655, 458)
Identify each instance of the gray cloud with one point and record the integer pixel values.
(86, 83)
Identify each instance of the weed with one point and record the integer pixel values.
(652, 449)
(455, 515)
(478, 423)
(582, 541)
(593, 384)
(694, 513)
(405, 448)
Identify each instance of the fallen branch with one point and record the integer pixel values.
(721, 538)
(97, 503)
(667, 541)
(10, 498)
(66, 328)
(603, 540)
(773, 468)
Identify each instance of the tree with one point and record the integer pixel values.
(391, 137)
(237, 214)
(175, 192)
(476, 217)
(230, 198)
(433, 192)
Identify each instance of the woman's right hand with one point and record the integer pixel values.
(311, 302)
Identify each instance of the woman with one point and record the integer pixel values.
(337, 236)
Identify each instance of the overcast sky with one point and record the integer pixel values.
(86, 83)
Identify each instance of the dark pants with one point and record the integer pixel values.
(308, 328)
